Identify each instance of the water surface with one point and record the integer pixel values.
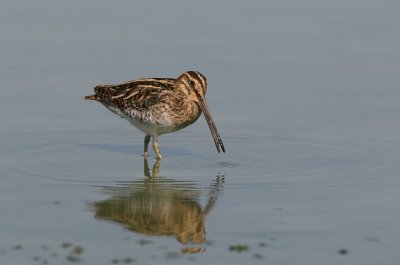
(305, 96)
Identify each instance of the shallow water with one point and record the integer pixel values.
(305, 97)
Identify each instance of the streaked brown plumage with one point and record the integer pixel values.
(159, 105)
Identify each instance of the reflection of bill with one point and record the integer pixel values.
(161, 207)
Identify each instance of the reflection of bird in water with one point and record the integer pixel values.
(161, 207)
(159, 105)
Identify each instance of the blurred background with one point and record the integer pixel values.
(305, 95)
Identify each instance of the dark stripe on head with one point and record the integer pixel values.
(202, 78)
(195, 75)
(199, 77)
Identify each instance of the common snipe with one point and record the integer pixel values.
(159, 105)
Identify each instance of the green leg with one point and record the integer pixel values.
(146, 145)
(156, 168)
(156, 149)
(146, 169)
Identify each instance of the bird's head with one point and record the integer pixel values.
(194, 84)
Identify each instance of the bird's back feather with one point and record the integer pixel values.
(138, 94)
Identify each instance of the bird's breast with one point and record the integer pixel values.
(164, 118)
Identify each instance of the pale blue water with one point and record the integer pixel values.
(305, 96)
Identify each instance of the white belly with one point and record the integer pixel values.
(151, 128)
(156, 126)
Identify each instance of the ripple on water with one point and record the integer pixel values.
(321, 161)
(270, 162)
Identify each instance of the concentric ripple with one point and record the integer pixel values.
(251, 161)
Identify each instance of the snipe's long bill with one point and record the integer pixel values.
(159, 105)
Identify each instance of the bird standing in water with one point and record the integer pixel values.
(159, 105)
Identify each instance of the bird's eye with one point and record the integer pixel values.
(191, 83)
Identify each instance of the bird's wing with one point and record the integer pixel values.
(137, 94)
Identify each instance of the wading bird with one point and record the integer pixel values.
(158, 106)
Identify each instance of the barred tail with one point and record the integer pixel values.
(102, 92)
(92, 97)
